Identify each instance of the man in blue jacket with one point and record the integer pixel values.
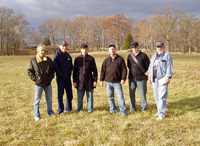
(160, 73)
(63, 66)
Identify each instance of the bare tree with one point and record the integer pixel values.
(167, 18)
(50, 28)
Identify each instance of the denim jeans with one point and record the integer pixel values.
(38, 95)
(160, 95)
(67, 86)
(89, 95)
(110, 87)
(142, 89)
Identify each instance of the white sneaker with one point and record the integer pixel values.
(156, 115)
(160, 118)
(62, 113)
(37, 118)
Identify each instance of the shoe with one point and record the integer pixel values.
(124, 115)
(142, 110)
(72, 111)
(112, 113)
(37, 118)
(133, 110)
(62, 113)
(160, 118)
(52, 115)
(156, 115)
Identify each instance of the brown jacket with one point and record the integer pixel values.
(113, 70)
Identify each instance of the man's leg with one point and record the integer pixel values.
(142, 89)
(38, 95)
(110, 94)
(80, 94)
(132, 88)
(120, 98)
(69, 95)
(90, 101)
(61, 86)
(48, 94)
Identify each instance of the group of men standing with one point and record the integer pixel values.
(113, 71)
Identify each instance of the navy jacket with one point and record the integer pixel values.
(85, 72)
(63, 65)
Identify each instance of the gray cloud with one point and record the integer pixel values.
(38, 11)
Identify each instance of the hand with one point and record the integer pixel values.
(167, 81)
(122, 82)
(75, 85)
(94, 84)
(149, 81)
(101, 83)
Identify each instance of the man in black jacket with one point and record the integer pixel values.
(85, 77)
(41, 71)
(114, 72)
(63, 66)
(138, 63)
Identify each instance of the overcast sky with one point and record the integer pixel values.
(37, 11)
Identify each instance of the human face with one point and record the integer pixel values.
(112, 51)
(160, 49)
(41, 52)
(84, 51)
(63, 48)
(136, 50)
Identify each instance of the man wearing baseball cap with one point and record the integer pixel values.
(138, 63)
(160, 73)
(85, 78)
(114, 72)
(63, 66)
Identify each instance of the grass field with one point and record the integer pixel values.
(180, 127)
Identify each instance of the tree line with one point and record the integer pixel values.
(180, 31)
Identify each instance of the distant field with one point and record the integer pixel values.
(18, 127)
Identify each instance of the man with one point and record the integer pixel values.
(63, 66)
(85, 77)
(160, 74)
(114, 72)
(138, 63)
(41, 71)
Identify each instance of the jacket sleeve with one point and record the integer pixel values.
(124, 70)
(56, 67)
(31, 71)
(169, 72)
(103, 71)
(75, 71)
(128, 62)
(94, 70)
(147, 62)
(52, 70)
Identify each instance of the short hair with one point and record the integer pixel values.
(40, 46)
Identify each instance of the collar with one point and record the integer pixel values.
(39, 59)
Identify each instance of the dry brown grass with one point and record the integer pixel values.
(18, 127)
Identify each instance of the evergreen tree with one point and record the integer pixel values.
(47, 41)
(127, 44)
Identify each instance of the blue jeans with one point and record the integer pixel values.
(38, 95)
(160, 95)
(110, 87)
(142, 89)
(89, 95)
(67, 86)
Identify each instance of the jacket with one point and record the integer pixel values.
(41, 73)
(113, 70)
(85, 72)
(63, 65)
(165, 66)
(134, 69)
